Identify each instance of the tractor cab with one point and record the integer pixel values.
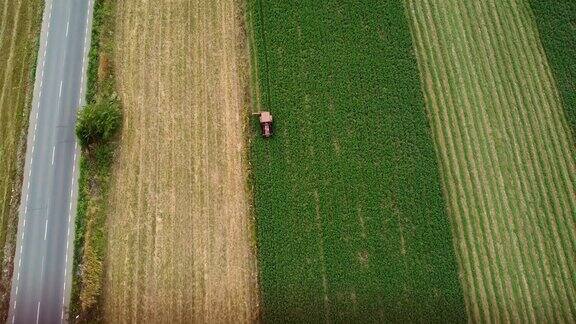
(266, 123)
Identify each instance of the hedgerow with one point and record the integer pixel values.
(351, 221)
(556, 21)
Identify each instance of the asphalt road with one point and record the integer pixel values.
(43, 262)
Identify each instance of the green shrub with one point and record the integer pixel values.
(97, 123)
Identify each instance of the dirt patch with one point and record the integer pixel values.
(180, 228)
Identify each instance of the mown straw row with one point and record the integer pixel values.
(507, 157)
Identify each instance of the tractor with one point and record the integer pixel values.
(265, 123)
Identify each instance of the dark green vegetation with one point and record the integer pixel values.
(19, 33)
(98, 122)
(351, 221)
(97, 125)
(556, 20)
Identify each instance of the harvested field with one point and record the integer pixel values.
(507, 157)
(352, 226)
(181, 243)
(19, 29)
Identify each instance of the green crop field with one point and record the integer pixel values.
(507, 157)
(351, 223)
(19, 29)
(556, 20)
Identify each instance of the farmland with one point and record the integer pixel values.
(351, 222)
(180, 232)
(507, 156)
(19, 29)
(556, 22)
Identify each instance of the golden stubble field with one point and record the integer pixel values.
(19, 27)
(181, 246)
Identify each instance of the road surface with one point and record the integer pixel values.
(43, 263)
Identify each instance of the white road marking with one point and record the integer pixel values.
(53, 153)
(24, 225)
(60, 91)
(16, 291)
(38, 313)
(46, 229)
(67, 25)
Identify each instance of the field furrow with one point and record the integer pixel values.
(507, 157)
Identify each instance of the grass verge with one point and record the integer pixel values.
(95, 167)
(351, 220)
(556, 21)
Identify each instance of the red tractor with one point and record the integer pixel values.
(265, 123)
